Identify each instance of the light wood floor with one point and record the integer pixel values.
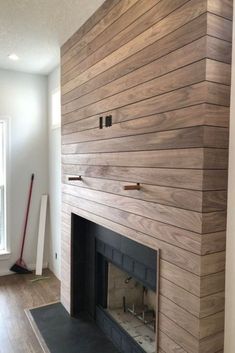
(16, 294)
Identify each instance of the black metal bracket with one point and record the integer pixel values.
(101, 122)
(75, 178)
(108, 121)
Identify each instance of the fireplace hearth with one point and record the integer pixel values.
(115, 280)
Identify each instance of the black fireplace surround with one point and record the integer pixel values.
(92, 248)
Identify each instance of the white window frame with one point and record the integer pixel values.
(6, 250)
(58, 124)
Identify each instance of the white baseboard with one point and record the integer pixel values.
(30, 266)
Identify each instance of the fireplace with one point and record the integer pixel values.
(115, 280)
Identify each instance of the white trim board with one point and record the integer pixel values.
(41, 234)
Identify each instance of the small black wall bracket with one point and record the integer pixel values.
(108, 120)
(74, 178)
(101, 122)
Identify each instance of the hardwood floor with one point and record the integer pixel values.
(16, 294)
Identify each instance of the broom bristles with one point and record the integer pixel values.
(20, 267)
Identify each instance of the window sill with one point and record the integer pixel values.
(4, 255)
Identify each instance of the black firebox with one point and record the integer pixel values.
(115, 280)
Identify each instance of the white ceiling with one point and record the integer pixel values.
(36, 29)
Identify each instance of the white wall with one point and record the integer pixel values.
(54, 180)
(23, 97)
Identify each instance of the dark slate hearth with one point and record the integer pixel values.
(63, 334)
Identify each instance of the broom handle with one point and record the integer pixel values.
(27, 215)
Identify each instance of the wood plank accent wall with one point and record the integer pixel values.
(161, 68)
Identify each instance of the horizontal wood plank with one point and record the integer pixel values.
(108, 21)
(219, 27)
(199, 158)
(179, 178)
(186, 219)
(154, 87)
(219, 50)
(176, 19)
(168, 345)
(194, 137)
(205, 92)
(172, 61)
(213, 242)
(213, 283)
(181, 317)
(89, 24)
(212, 304)
(180, 296)
(212, 343)
(197, 115)
(184, 339)
(139, 18)
(182, 239)
(189, 199)
(213, 70)
(173, 41)
(222, 8)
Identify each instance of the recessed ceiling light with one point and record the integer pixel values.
(13, 57)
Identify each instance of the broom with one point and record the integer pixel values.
(20, 266)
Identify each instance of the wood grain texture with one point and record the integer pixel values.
(178, 217)
(144, 22)
(219, 27)
(196, 115)
(198, 93)
(170, 79)
(206, 201)
(137, 15)
(172, 22)
(175, 40)
(179, 178)
(168, 345)
(214, 71)
(209, 158)
(89, 24)
(223, 8)
(182, 57)
(162, 70)
(18, 294)
(196, 137)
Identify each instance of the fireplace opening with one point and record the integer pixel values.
(133, 306)
(115, 280)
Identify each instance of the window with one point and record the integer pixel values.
(2, 185)
(55, 109)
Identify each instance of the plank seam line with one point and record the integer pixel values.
(187, 1)
(161, 57)
(218, 15)
(150, 201)
(203, 14)
(102, 45)
(80, 29)
(145, 116)
(164, 185)
(167, 224)
(157, 185)
(192, 85)
(199, 126)
(203, 59)
(150, 236)
(170, 338)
